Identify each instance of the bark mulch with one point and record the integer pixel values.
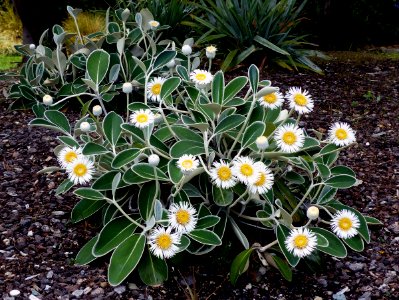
(38, 243)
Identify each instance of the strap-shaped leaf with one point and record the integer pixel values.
(125, 157)
(205, 237)
(218, 88)
(58, 119)
(125, 258)
(283, 267)
(253, 74)
(264, 42)
(85, 254)
(97, 65)
(239, 265)
(89, 193)
(228, 123)
(239, 234)
(234, 87)
(146, 199)
(112, 235)
(112, 127)
(84, 209)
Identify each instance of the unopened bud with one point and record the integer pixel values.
(210, 52)
(127, 87)
(262, 143)
(47, 100)
(312, 213)
(125, 14)
(171, 64)
(153, 160)
(186, 49)
(282, 116)
(158, 118)
(97, 110)
(85, 126)
(32, 46)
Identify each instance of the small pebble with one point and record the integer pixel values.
(120, 289)
(14, 293)
(77, 293)
(33, 297)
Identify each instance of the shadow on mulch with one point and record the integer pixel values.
(38, 244)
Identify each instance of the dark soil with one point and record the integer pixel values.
(38, 244)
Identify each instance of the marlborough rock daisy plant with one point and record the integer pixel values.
(169, 157)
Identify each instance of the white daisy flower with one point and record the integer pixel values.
(182, 217)
(222, 175)
(142, 118)
(265, 181)
(153, 24)
(201, 77)
(154, 88)
(272, 101)
(289, 138)
(246, 170)
(80, 170)
(345, 224)
(300, 100)
(341, 134)
(301, 242)
(187, 163)
(67, 155)
(163, 243)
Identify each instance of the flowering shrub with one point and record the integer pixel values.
(188, 156)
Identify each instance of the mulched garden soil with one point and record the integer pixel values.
(38, 243)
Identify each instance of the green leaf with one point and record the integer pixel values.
(146, 199)
(131, 177)
(68, 141)
(112, 235)
(283, 267)
(207, 221)
(310, 143)
(187, 134)
(355, 243)
(186, 147)
(282, 233)
(373, 221)
(324, 170)
(64, 187)
(335, 246)
(239, 265)
(253, 74)
(84, 209)
(112, 127)
(265, 43)
(163, 58)
(326, 195)
(205, 237)
(234, 87)
(228, 123)
(222, 197)
(125, 157)
(252, 132)
(363, 229)
(328, 149)
(125, 258)
(89, 194)
(342, 170)
(341, 181)
(147, 171)
(169, 86)
(85, 254)
(97, 65)
(228, 60)
(294, 177)
(58, 119)
(182, 71)
(104, 182)
(94, 149)
(218, 88)
(153, 270)
(174, 172)
(239, 234)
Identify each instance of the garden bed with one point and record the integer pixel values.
(38, 243)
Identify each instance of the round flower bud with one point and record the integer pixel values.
(97, 110)
(153, 160)
(47, 100)
(312, 213)
(32, 46)
(186, 49)
(210, 52)
(158, 118)
(171, 64)
(125, 14)
(85, 126)
(153, 24)
(127, 87)
(262, 143)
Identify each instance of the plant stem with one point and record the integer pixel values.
(303, 199)
(113, 201)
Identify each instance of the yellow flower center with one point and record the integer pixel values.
(341, 134)
(80, 170)
(211, 48)
(182, 216)
(345, 224)
(70, 156)
(187, 164)
(164, 241)
(262, 179)
(142, 118)
(271, 98)
(300, 100)
(246, 169)
(156, 89)
(289, 138)
(224, 173)
(200, 76)
(301, 241)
